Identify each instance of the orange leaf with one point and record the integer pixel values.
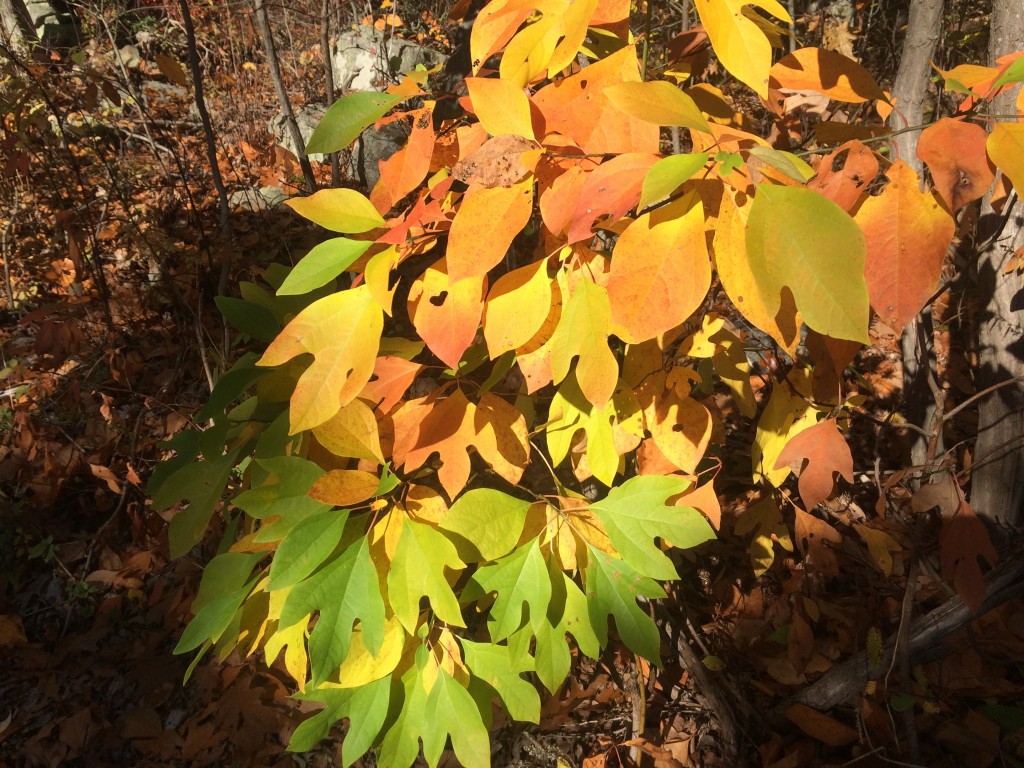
(451, 426)
(611, 189)
(401, 173)
(577, 107)
(484, 227)
(955, 154)
(392, 377)
(446, 313)
(660, 270)
(827, 72)
(814, 454)
(558, 202)
(820, 726)
(343, 487)
(1006, 148)
(844, 175)
(813, 537)
(907, 234)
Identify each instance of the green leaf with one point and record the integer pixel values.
(231, 385)
(322, 264)
(635, 513)
(667, 175)
(279, 488)
(1013, 74)
(503, 671)
(306, 546)
(787, 163)
(452, 712)
(344, 591)
(613, 588)
(486, 524)
(366, 708)
(347, 118)
(401, 744)
(249, 318)
(202, 483)
(417, 570)
(224, 586)
(339, 210)
(801, 240)
(520, 579)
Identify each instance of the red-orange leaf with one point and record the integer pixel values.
(611, 189)
(815, 454)
(660, 270)
(392, 377)
(907, 233)
(446, 313)
(955, 154)
(486, 223)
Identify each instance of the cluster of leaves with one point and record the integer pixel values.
(520, 312)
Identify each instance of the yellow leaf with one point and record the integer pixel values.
(738, 41)
(361, 667)
(339, 210)
(501, 106)
(295, 659)
(517, 306)
(764, 520)
(344, 487)
(789, 412)
(1006, 149)
(527, 55)
(881, 545)
(342, 332)
(352, 433)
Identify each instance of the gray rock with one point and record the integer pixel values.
(307, 118)
(370, 148)
(252, 199)
(365, 61)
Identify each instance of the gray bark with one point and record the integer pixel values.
(997, 488)
(910, 91)
(17, 26)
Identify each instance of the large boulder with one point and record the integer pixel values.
(364, 60)
(307, 118)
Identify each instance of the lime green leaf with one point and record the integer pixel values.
(1013, 74)
(659, 102)
(635, 513)
(667, 175)
(521, 578)
(279, 489)
(249, 318)
(224, 586)
(801, 240)
(503, 671)
(417, 570)
(613, 588)
(366, 708)
(339, 210)
(344, 591)
(347, 118)
(306, 546)
(451, 711)
(486, 524)
(552, 657)
(322, 264)
(211, 622)
(401, 744)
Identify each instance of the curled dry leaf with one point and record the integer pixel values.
(498, 163)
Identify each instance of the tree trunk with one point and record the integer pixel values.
(997, 487)
(910, 91)
(269, 49)
(17, 26)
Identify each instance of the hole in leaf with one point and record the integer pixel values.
(440, 299)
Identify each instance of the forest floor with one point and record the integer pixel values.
(110, 341)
